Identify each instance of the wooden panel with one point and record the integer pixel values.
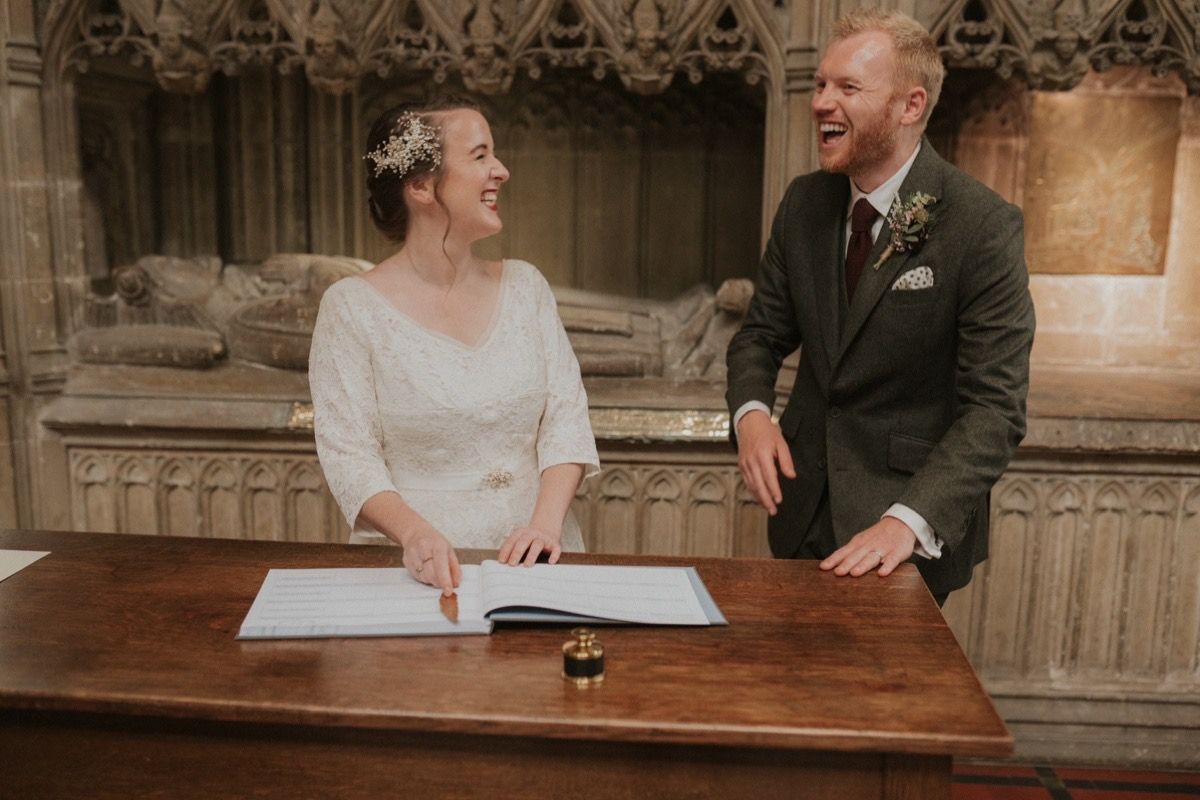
(286, 762)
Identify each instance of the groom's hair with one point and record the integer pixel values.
(917, 59)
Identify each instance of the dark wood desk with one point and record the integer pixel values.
(120, 677)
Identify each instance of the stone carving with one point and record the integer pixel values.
(1052, 43)
(567, 39)
(485, 41)
(727, 45)
(204, 493)
(978, 38)
(1060, 57)
(488, 68)
(646, 66)
(179, 60)
(192, 313)
(1047, 41)
(328, 61)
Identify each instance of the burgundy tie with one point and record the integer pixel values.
(861, 218)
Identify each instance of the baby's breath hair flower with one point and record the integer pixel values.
(416, 142)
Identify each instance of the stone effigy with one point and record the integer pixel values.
(195, 313)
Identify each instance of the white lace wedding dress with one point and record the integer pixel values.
(462, 433)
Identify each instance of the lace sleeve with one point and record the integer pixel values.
(345, 414)
(565, 435)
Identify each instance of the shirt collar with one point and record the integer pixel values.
(881, 199)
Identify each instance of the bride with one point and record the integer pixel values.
(449, 410)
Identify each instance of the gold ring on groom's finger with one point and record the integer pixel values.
(876, 552)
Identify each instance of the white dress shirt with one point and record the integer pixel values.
(929, 544)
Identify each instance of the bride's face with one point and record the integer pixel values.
(469, 185)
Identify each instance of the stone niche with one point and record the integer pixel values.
(641, 196)
(1107, 175)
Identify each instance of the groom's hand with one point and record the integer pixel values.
(760, 445)
(883, 546)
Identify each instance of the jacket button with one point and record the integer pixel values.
(820, 463)
(835, 412)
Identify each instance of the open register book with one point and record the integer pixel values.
(316, 603)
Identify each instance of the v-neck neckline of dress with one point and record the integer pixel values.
(484, 338)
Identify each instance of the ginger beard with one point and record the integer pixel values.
(865, 146)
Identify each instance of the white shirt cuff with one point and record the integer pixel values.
(747, 407)
(929, 545)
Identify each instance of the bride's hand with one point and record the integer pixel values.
(429, 558)
(529, 543)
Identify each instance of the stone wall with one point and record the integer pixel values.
(1123, 321)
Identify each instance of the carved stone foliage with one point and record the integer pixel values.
(485, 42)
(1053, 43)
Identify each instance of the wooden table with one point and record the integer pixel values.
(120, 677)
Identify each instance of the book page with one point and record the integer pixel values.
(646, 595)
(315, 603)
(13, 561)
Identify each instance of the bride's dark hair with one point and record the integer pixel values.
(385, 187)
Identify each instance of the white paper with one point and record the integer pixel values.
(356, 601)
(310, 603)
(13, 561)
(646, 595)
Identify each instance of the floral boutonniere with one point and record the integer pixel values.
(909, 225)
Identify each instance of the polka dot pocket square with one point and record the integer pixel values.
(916, 278)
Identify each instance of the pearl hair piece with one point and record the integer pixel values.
(417, 142)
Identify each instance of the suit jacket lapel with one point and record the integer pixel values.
(829, 225)
(925, 176)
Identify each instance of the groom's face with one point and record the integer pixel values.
(855, 107)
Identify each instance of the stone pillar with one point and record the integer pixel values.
(41, 275)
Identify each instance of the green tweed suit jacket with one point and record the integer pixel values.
(913, 396)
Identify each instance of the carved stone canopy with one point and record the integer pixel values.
(1050, 43)
(1053, 43)
(484, 42)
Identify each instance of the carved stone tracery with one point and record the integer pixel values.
(486, 42)
(1053, 43)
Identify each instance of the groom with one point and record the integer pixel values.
(903, 282)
